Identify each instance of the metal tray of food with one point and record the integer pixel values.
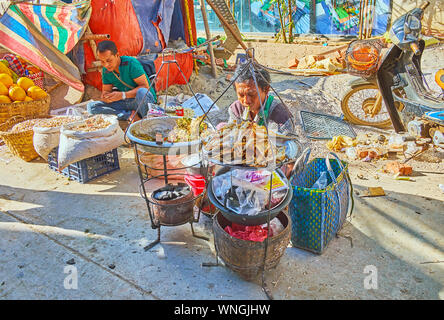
(149, 127)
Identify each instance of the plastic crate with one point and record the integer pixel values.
(87, 169)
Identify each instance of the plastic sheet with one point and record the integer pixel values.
(247, 191)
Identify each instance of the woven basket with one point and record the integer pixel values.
(25, 109)
(20, 143)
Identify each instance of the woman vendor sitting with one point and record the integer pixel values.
(248, 105)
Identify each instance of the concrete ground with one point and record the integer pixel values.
(51, 227)
(48, 222)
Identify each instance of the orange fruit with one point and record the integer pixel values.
(3, 89)
(36, 93)
(25, 83)
(17, 94)
(6, 79)
(28, 98)
(4, 99)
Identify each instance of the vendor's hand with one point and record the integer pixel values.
(105, 97)
(114, 96)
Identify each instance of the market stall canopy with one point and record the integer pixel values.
(43, 33)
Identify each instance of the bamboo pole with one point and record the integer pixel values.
(361, 6)
(207, 32)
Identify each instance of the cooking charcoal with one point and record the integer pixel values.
(170, 193)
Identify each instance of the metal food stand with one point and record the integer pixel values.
(177, 211)
(240, 255)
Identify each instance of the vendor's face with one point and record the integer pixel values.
(109, 61)
(248, 97)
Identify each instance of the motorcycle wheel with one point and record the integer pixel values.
(360, 106)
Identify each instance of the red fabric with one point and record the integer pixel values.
(251, 233)
(118, 19)
(159, 32)
(185, 61)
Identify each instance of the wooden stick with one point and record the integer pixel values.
(282, 21)
(226, 24)
(91, 36)
(361, 7)
(207, 32)
(92, 43)
(58, 84)
(372, 14)
(366, 18)
(290, 19)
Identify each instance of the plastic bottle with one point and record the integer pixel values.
(412, 149)
(396, 140)
(351, 153)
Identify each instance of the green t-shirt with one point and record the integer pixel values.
(129, 69)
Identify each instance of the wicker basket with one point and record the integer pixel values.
(247, 257)
(20, 143)
(25, 109)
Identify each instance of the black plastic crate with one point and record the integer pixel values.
(87, 169)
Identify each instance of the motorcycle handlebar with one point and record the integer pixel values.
(415, 48)
(424, 5)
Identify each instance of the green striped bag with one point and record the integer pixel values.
(318, 214)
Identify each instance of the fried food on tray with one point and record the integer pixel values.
(186, 129)
(243, 144)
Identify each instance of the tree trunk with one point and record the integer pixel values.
(282, 21)
(290, 19)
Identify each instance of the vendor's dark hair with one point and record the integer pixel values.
(262, 76)
(107, 45)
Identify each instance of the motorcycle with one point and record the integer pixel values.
(393, 91)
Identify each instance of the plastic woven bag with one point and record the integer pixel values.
(318, 214)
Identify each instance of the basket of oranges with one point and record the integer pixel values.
(21, 98)
(18, 133)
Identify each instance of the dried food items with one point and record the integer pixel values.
(188, 113)
(186, 129)
(24, 126)
(56, 122)
(91, 124)
(246, 143)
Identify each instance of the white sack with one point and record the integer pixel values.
(78, 145)
(46, 139)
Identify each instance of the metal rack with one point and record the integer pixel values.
(272, 166)
(149, 184)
